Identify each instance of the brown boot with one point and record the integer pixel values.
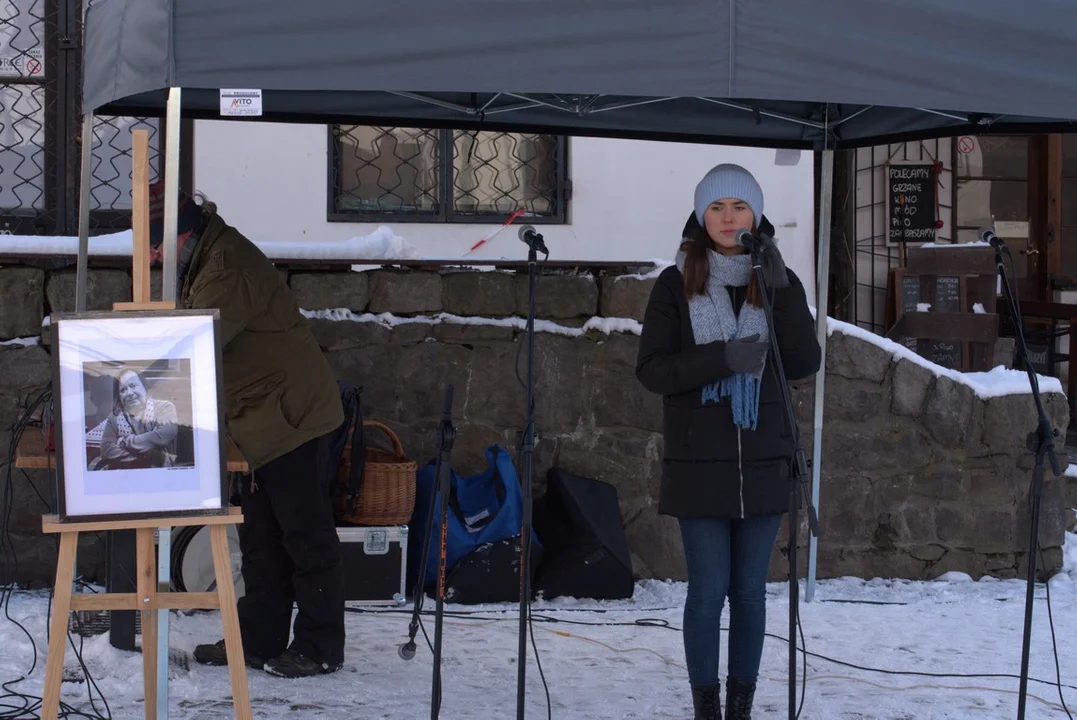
(707, 701)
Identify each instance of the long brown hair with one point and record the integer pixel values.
(697, 267)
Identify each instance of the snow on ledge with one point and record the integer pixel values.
(604, 325)
(997, 382)
(382, 244)
(22, 341)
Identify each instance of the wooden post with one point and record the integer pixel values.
(150, 597)
(140, 215)
(140, 229)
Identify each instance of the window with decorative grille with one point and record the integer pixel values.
(422, 175)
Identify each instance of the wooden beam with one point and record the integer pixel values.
(140, 215)
(958, 327)
(52, 524)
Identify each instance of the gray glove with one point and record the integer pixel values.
(746, 355)
(774, 268)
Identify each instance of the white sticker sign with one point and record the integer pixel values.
(241, 103)
(28, 64)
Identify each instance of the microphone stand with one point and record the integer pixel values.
(1041, 442)
(798, 481)
(442, 468)
(534, 244)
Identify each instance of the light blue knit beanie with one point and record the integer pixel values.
(729, 181)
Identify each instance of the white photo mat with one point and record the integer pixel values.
(184, 346)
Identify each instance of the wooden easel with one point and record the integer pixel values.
(152, 593)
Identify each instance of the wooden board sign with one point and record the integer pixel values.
(943, 307)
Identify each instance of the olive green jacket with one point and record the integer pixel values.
(279, 390)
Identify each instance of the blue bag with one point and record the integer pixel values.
(483, 508)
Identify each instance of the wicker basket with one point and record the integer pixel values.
(387, 496)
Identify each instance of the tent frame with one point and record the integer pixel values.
(822, 264)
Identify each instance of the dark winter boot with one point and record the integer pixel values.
(291, 664)
(216, 654)
(738, 699)
(707, 701)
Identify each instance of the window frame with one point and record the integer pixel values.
(446, 213)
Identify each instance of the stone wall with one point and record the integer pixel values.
(920, 475)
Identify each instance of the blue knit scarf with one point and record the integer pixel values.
(713, 319)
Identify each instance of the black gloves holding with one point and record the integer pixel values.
(746, 355)
(774, 268)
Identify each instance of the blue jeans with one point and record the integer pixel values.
(726, 558)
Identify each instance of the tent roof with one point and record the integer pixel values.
(758, 72)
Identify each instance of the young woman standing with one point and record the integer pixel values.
(726, 466)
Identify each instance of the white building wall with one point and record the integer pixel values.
(630, 198)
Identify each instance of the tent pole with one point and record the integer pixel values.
(82, 269)
(168, 292)
(822, 285)
(171, 171)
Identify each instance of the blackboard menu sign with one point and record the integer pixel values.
(947, 294)
(945, 353)
(911, 189)
(910, 297)
(910, 292)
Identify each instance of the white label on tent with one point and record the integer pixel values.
(241, 103)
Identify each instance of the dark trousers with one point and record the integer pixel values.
(291, 552)
(726, 559)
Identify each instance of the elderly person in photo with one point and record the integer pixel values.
(141, 431)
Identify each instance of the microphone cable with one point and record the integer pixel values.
(15, 704)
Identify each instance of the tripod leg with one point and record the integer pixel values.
(794, 599)
(446, 435)
(407, 650)
(1030, 582)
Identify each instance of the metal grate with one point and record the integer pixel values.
(41, 128)
(400, 174)
(874, 254)
(27, 104)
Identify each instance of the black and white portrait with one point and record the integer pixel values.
(138, 414)
(141, 428)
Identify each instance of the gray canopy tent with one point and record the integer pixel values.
(767, 73)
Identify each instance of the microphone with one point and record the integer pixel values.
(988, 236)
(747, 240)
(532, 239)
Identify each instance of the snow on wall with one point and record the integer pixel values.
(381, 244)
(993, 383)
(997, 382)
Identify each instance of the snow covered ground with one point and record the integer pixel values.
(625, 659)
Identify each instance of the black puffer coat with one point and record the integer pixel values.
(710, 467)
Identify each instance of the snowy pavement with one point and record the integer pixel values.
(624, 659)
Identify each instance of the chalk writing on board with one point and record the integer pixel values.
(911, 190)
(948, 294)
(946, 354)
(910, 292)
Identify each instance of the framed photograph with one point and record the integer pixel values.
(139, 423)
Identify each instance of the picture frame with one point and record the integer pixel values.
(139, 419)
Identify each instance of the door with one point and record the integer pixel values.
(999, 184)
(1062, 217)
